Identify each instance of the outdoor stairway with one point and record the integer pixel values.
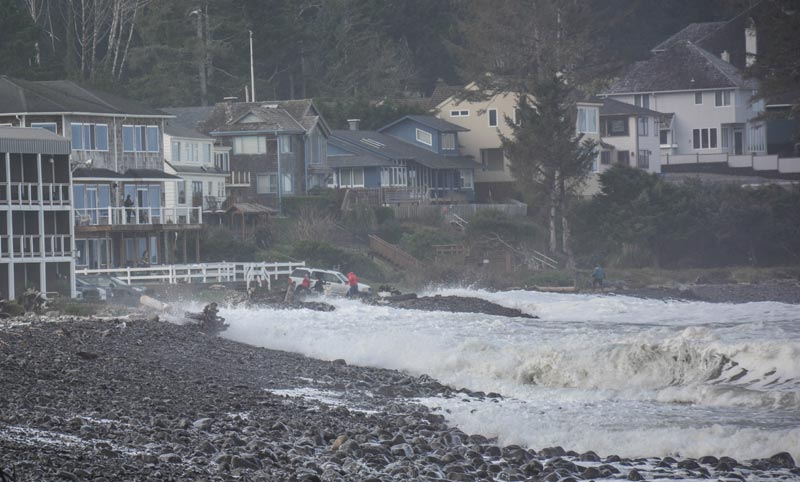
(392, 253)
(456, 221)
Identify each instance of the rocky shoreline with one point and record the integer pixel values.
(139, 399)
(782, 291)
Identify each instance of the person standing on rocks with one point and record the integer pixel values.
(289, 298)
(352, 280)
(598, 277)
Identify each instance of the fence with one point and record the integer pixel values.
(199, 273)
(407, 211)
(757, 162)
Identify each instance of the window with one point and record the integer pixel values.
(459, 113)
(287, 185)
(643, 161)
(492, 117)
(642, 100)
(587, 120)
(394, 176)
(725, 136)
(221, 189)
(176, 151)
(448, 141)
(197, 188)
(698, 98)
(614, 126)
(182, 192)
(50, 126)
(643, 126)
(139, 138)
(624, 158)
(267, 183)
(285, 144)
(424, 137)
(492, 159)
(351, 177)
(663, 137)
(89, 137)
(704, 138)
(722, 98)
(605, 157)
(221, 161)
(250, 145)
(206, 153)
(467, 179)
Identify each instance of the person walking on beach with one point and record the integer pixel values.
(598, 277)
(352, 280)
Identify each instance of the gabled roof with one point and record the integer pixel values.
(26, 140)
(285, 116)
(388, 147)
(175, 129)
(428, 121)
(615, 107)
(684, 66)
(694, 32)
(19, 96)
(442, 92)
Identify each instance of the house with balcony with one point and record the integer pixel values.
(483, 122)
(203, 169)
(629, 136)
(117, 155)
(36, 229)
(274, 149)
(414, 159)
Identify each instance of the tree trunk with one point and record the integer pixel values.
(201, 60)
(553, 215)
(128, 42)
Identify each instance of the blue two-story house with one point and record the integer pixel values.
(415, 158)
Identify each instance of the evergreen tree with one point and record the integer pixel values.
(546, 153)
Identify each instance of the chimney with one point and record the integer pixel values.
(230, 100)
(725, 56)
(750, 47)
(353, 124)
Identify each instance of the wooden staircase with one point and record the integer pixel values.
(392, 253)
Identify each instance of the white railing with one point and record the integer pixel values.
(113, 216)
(56, 193)
(25, 192)
(26, 245)
(57, 245)
(198, 273)
(4, 248)
(757, 162)
(238, 178)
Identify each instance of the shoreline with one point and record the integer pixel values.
(100, 400)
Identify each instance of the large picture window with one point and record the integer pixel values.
(614, 126)
(587, 120)
(267, 183)
(89, 137)
(250, 145)
(351, 177)
(140, 138)
(704, 138)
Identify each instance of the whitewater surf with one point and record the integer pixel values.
(616, 375)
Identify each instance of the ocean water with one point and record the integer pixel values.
(613, 374)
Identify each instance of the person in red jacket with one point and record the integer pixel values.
(352, 280)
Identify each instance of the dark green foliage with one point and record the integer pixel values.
(383, 214)
(360, 220)
(391, 231)
(420, 243)
(263, 237)
(320, 254)
(12, 308)
(18, 35)
(489, 223)
(79, 309)
(640, 220)
(325, 202)
(219, 244)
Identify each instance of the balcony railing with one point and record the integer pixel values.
(31, 193)
(123, 216)
(57, 245)
(238, 179)
(29, 245)
(26, 245)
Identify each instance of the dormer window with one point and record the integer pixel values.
(448, 141)
(424, 137)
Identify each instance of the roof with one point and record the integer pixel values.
(179, 168)
(615, 107)
(148, 175)
(19, 96)
(288, 116)
(442, 92)
(388, 147)
(250, 208)
(96, 173)
(357, 160)
(684, 66)
(175, 129)
(694, 32)
(26, 140)
(429, 121)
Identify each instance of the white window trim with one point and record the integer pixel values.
(702, 99)
(429, 142)
(489, 118)
(94, 128)
(731, 96)
(709, 148)
(144, 139)
(459, 113)
(267, 175)
(41, 125)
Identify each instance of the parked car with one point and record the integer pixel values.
(335, 282)
(117, 288)
(88, 292)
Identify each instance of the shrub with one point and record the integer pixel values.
(324, 200)
(420, 243)
(384, 214)
(391, 231)
(324, 255)
(12, 308)
(493, 222)
(219, 244)
(360, 220)
(79, 309)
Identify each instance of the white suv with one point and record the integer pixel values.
(335, 282)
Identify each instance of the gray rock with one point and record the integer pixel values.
(783, 459)
(243, 463)
(203, 423)
(169, 458)
(402, 450)
(635, 475)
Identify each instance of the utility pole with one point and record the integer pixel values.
(252, 71)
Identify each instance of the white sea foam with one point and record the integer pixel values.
(661, 377)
